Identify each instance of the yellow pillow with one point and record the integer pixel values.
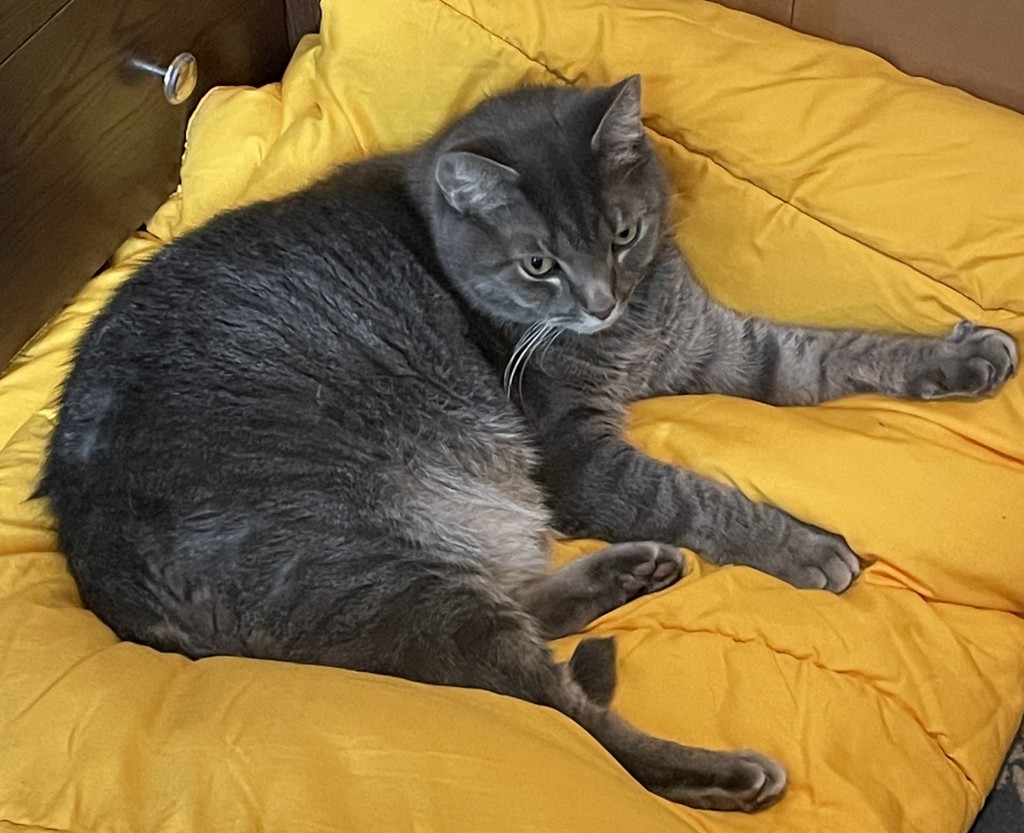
(813, 183)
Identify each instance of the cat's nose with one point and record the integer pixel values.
(595, 296)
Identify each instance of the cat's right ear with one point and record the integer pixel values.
(620, 135)
(474, 184)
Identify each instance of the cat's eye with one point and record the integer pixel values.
(626, 235)
(538, 266)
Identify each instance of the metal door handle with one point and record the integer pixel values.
(180, 76)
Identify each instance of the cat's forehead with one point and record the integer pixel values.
(560, 172)
(566, 192)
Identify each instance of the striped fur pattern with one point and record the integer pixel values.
(337, 427)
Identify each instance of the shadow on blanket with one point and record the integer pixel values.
(1004, 810)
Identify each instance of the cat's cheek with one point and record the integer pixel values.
(627, 278)
(542, 298)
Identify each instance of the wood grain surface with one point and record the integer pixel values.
(781, 11)
(21, 19)
(303, 18)
(89, 146)
(978, 47)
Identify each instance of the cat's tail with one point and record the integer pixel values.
(592, 666)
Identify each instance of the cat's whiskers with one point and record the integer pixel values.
(556, 330)
(520, 355)
(532, 338)
(547, 335)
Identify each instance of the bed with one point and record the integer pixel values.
(813, 183)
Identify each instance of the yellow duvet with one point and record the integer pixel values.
(814, 184)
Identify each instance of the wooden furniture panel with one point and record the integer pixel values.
(90, 147)
(781, 11)
(303, 18)
(21, 19)
(978, 47)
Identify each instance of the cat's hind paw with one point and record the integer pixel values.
(744, 781)
(627, 570)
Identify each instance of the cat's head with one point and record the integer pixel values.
(548, 204)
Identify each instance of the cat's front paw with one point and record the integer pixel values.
(814, 559)
(971, 361)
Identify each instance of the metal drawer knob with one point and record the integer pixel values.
(180, 77)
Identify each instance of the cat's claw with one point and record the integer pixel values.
(971, 361)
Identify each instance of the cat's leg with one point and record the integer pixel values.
(602, 487)
(719, 350)
(568, 599)
(695, 777)
(804, 366)
(460, 630)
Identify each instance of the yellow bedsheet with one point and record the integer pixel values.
(813, 183)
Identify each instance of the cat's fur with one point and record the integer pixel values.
(287, 435)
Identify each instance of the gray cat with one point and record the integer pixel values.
(336, 428)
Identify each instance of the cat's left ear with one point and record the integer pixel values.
(619, 137)
(474, 184)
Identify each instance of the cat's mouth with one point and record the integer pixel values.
(589, 324)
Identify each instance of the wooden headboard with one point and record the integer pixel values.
(973, 46)
(90, 146)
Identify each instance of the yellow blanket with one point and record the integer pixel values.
(813, 183)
